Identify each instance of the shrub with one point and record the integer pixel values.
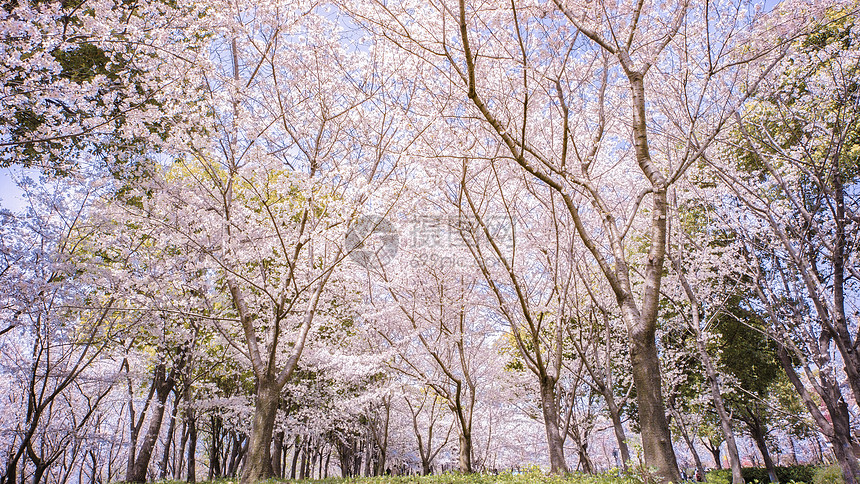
(719, 476)
(798, 473)
(828, 475)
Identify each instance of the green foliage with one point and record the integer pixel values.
(798, 473)
(828, 475)
(719, 476)
(747, 353)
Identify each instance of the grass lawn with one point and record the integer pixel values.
(530, 477)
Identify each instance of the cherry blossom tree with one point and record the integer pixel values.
(534, 285)
(569, 92)
(245, 149)
(442, 339)
(597, 337)
(702, 270)
(424, 410)
(59, 328)
(264, 189)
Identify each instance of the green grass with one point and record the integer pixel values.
(529, 477)
(788, 475)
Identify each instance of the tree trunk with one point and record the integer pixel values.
(465, 458)
(642, 326)
(757, 431)
(847, 347)
(699, 467)
(303, 471)
(134, 427)
(192, 447)
(296, 449)
(314, 457)
(656, 438)
(179, 456)
(356, 463)
(368, 454)
(163, 386)
(276, 453)
(715, 452)
(725, 419)
(617, 425)
(215, 449)
(584, 459)
(383, 445)
(838, 432)
(846, 459)
(841, 439)
(38, 472)
(237, 452)
(713, 379)
(550, 418)
(327, 460)
(258, 462)
(171, 429)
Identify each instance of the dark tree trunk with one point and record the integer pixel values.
(276, 453)
(841, 440)
(465, 457)
(134, 427)
(192, 447)
(554, 440)
(758, 432)
(656, 438)
(316, 456)
(163, 386)
(237, 453)
(179, 456)
(215, 449)
(258, 461)
(38, 473)
(617, 426)
(836, 430)
(383, 442)
(584, 459)
(847, 348)
(715, 453)
(171, 429)
(327, 459)
(303, 471)
(296, 449)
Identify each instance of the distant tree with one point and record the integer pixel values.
(750, 358)
(59, 328)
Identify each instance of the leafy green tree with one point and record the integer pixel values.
(749, 357)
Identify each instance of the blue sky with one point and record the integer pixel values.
(10, 194)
